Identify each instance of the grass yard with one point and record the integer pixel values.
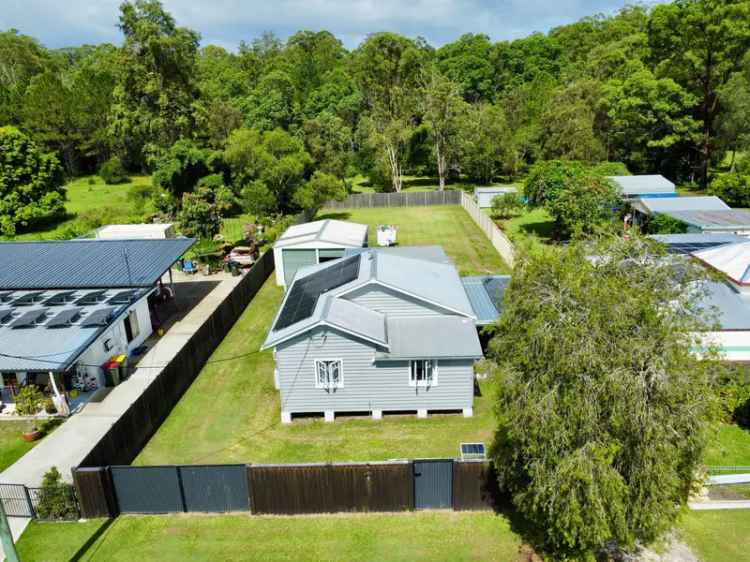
(718, 536)
(532, 227)
(446, 225)
(361, 184)
(231, 414)
(730, 447)
(409, 537)
(12, 446)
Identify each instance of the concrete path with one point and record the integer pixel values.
(723, 504)
(730, 479)
(69, 444)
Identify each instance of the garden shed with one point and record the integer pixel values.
(485, 195)
(315, 242)
(647, 186)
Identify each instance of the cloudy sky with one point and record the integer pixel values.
(227, 22)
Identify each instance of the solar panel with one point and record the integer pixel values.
(124, 297)
(5, 315)
(472, 451)
(92, 297)
(28, 318)
(59, 298)
(690, 247)
(99, 317)
(27, 299)
(304, 294)
(5, 296)
(64, 317)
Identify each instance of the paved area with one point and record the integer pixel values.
(725, 504)
(72, 441)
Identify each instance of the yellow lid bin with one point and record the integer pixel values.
(122, 365)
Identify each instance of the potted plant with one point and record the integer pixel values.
(32, 434)
(28, 403)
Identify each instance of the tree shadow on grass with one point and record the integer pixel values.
(81, 552)
(544, 229)
(334, 216)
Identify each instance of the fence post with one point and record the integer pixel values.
(181, 487)
(95, 491)
(32, 511)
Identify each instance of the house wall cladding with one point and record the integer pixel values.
(367, 385)
(286, 489)
(128, 435)
(403, 199)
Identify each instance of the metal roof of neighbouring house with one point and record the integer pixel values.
(342, 233)
(723, 219)
(665, 205)
(486, 296)
(733, 260)
(633, 186)
(496, 189)
(82, 264)
(429, 253)
(315, 294)
(49, 330)
(693, 242)
(726, 306)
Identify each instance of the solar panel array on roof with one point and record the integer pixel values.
(99, 317)
(27, 299)
(64, 317)
(123, 297)
(688, 248)
(301, 301)
(28, 318)
(59, 298)
(5, 296)
(5, 315)
(472, 451)
(92, 297)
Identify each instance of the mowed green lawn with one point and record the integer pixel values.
(448, 226)
(729, 447)
(718, 536)
(12, 446)
(408, 537)
(231, 413)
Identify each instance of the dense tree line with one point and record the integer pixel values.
(663, 90)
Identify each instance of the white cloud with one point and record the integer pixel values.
(227, 22)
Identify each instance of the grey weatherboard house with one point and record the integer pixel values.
(377, 331)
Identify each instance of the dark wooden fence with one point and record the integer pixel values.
(403, 199)
(128, 435)
(276, 489)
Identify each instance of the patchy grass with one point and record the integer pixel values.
(232, 227)
(231, 414)
(532, 227)
(718, 536)
(729, 447)
(448, 226)
(395, 537)
(12, 446)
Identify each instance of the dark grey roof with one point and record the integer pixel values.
(79, 264)
(718, 219)
(692, 242)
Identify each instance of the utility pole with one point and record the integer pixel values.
(6, 537)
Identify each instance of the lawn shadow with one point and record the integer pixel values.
(542, 229)
(91, 540)
(334, 216)
(420, 182)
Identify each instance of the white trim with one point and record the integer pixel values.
(325, 324)
(340, 384)
(424, 384)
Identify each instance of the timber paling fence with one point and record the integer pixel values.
(390, 486)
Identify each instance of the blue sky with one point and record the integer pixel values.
(227, 22)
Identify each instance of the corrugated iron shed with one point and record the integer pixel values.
(83, 264)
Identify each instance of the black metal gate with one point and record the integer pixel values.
(433, 484)
(16, 500)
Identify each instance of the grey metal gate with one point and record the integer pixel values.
(215, 488)
(433, 484)
(147, 489)
(16, 500)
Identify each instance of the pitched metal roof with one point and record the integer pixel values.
(78, 264)
(61, 333)
(496, 189)
(733, 260)
(343, 233)
(439, 337)
(725, 305)
(486, 296)
(631, 186)
(429, 253)
(721, 219)
(693, 242)
(664, 205)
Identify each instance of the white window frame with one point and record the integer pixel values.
(423, 383)
(329, 385)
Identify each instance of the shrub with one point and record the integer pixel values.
(113, 172)
(506, 205)
(56, 499)
(664, 224)
(29, 401)
(734, 394)
(733, 188)
(140, 194)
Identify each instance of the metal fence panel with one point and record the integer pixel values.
(16, 500)
(433, 484)
(220, 488)
(147, 489)
(392, 199)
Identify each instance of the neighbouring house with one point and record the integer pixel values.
(312, 243)
(693, 242)
(135, 231)
(485, 195)
(380, 330)
(644, 186)
(708, 214)
(67, 307)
